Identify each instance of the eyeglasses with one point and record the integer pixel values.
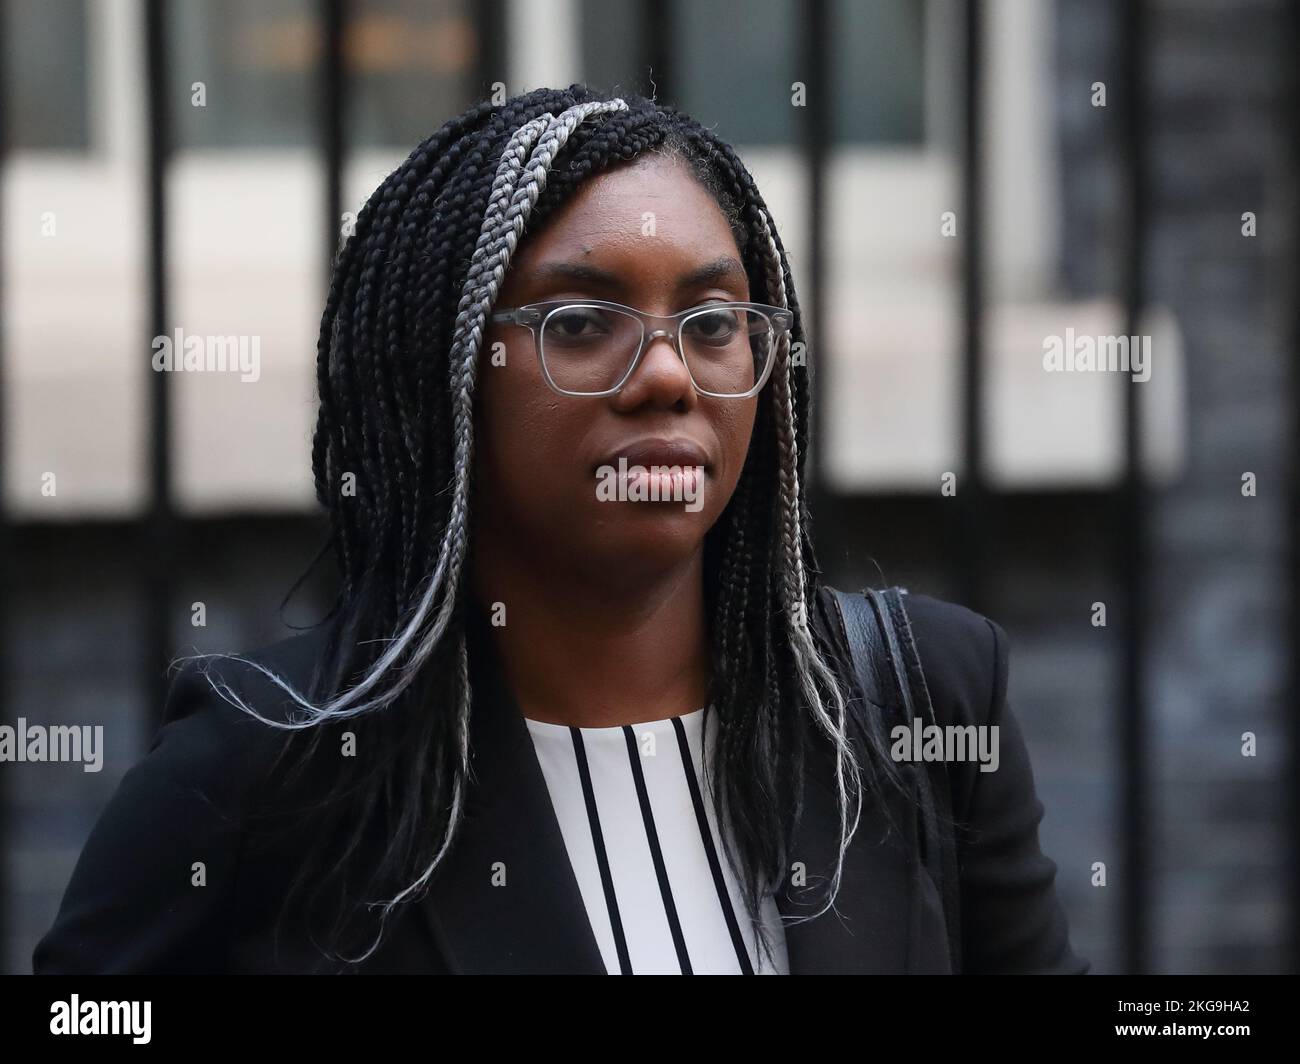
(592, 347)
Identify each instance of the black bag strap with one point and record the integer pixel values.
(889, 672)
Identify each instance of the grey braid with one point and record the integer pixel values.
(520, 181)
(810, 664)
(496, 245)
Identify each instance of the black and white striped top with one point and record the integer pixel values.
(642, 837)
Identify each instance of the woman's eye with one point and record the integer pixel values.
(714, 327)
(571, 324)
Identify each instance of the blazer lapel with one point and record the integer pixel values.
(505, 899)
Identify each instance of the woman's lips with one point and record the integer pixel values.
(654, 470)
(655, 483)
(669, 483)
(660, 452)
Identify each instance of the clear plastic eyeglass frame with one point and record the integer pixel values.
(533, 316)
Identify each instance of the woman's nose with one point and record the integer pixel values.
(661, 377)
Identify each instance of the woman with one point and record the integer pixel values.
(580, 625)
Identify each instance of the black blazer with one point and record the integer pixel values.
(130, 906)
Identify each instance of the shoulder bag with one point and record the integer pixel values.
(889, 672)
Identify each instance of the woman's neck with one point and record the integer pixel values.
(597, 652)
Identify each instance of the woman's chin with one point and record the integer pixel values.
(648, 536)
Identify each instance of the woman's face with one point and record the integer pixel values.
(645, 234)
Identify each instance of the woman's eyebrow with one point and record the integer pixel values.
(575, 271)
(719, 269)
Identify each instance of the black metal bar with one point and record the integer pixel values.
(656, 37)
(159, 553)
(1130, 530)
(1289, 42)
(815, 130)
(490, 32)
(333, 72)
(969, 551)
(6, 542)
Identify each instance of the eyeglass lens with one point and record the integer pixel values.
(590, 349)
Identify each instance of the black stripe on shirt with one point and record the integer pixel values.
(706, 835)
(652, 837)
(602, 858)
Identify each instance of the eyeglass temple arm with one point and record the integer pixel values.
(518, 316)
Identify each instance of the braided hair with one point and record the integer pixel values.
(392, 455)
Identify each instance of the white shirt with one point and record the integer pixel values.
(643, 842)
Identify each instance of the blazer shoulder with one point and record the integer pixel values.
(207, 738)
(964, 656)
(1012, 919)
(204, 733)
(258, 677)
(154, 886)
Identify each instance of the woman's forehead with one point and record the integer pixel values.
(650, 198)
(629, 222)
